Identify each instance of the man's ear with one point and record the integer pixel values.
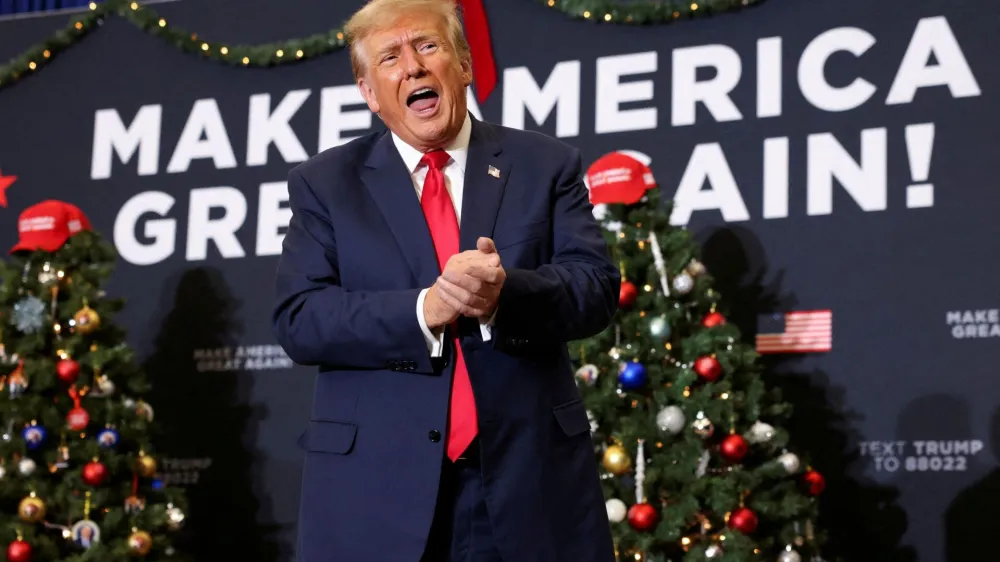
(466, 71)
(369, 94)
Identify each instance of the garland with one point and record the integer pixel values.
(273, 54)
(646, 11)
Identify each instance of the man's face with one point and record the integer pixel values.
(415, 80)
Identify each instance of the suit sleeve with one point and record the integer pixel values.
(317, 321)
(576, 295)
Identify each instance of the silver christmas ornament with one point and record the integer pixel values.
(683, 283)
(670, 420)
(789, 555)
(790, 461)
(26, 466)
(713, 551)
(760, 432)
(616, 510)
(659, 327)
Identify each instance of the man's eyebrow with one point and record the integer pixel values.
(395, 43)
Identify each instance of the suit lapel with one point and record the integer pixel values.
(390, 185)
(486, 173)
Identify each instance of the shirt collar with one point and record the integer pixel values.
(458, 149)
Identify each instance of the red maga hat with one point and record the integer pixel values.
(618, 178)
(48, 225)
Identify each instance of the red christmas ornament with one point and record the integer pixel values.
(77, 419)
(19, 551)
(733, 448)
(815, 483)
(713, 319)
(94, 473)
(642, 517)
(627, 295)
(708, 368)
(743, 520)
(67, 370)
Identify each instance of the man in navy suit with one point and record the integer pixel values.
(446, 424)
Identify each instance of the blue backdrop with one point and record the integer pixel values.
(830, 154)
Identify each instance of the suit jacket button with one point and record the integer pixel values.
(434, 435)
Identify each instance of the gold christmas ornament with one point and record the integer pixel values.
(31, 509)
(139, 543)
(86, 319)
(616, 460)
(145, 465)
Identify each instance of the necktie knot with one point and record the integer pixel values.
(435, 159)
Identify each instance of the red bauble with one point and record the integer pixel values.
(67, 370)
(713, 319)
(94, 473)
(815, 483)
(627, 295)
(643, 517)
(77, 419)
(18, 551)
(743, 520)
(733, 448)
(708, 368)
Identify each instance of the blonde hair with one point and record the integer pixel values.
(379, 13)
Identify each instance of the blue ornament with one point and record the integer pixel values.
(632, 375)
(107, 438)
(157, 484)
(28, 315)
(33, 435)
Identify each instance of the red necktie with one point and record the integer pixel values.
(439, 210)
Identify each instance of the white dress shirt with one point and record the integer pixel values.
(454, 174)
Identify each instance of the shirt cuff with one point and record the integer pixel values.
(486, 326)
(435, 343)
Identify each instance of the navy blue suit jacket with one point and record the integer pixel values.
(356, 254)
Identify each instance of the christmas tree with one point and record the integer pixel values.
(78, 479)
(695, 464)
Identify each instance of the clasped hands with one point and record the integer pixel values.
(469, 286)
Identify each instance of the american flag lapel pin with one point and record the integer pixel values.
(493, 171)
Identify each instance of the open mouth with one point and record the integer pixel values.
(424, 100)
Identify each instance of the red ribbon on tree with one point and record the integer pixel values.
(484, 68)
